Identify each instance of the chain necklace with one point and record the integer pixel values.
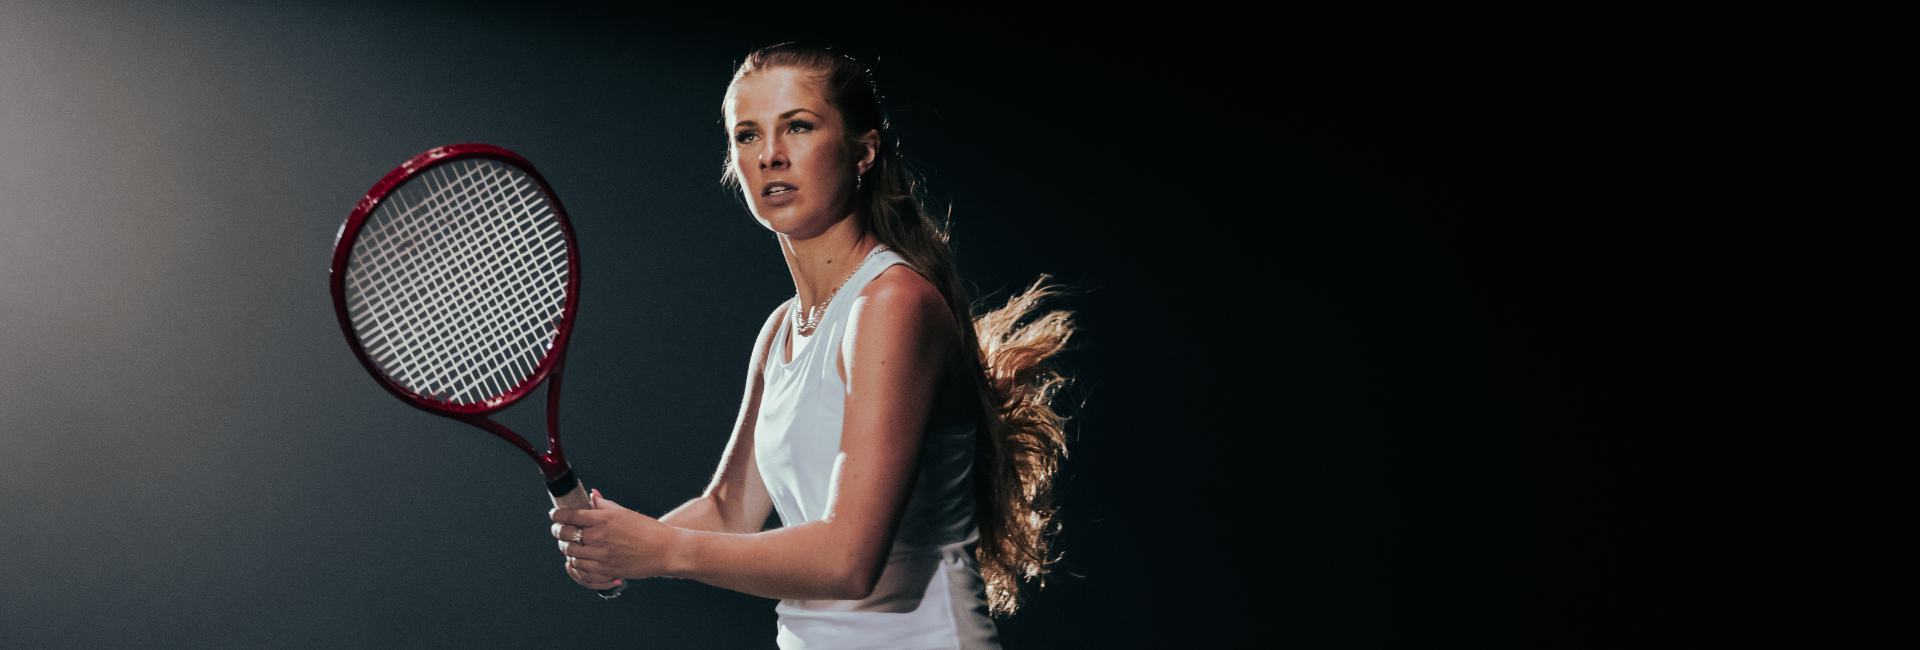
(812, 322)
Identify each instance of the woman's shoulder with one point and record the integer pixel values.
(902, 292)
(900, 310)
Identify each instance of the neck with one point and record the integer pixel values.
(821, 263)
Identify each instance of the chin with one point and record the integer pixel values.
(789, 225)
(795, 221)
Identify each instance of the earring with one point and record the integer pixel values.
(856, 182)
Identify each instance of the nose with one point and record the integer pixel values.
(774, 155)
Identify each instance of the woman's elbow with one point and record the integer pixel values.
(853, 580)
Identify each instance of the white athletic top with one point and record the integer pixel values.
(930, 595)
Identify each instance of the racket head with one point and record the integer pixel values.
(408, 296)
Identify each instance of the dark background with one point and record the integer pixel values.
(1379, 312)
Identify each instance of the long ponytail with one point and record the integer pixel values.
(1022, 438)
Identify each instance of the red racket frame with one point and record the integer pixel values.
(553, 464)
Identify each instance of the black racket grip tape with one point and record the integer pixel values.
(561, 488)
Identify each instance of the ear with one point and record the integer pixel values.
(867, 148)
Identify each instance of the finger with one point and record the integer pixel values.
(592, 580)
(603, 503)
(581, 551)
(584, 576)
(577, 518)
(602, 586)
(589, 566)
(567, 533)
(589, 575)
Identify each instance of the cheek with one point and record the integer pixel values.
(823, 164)
(743, 171)
(743, 177)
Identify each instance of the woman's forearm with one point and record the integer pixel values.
(699, 514)
(809, 561)
(710, 514)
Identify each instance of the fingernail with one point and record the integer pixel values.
(617, 583)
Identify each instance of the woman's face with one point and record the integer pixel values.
(791, 154)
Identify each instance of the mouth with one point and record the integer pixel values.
(779, 194)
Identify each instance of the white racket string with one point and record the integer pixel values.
(456, 284)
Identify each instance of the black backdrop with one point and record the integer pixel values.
(1333, 276)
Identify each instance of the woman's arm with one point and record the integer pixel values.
(901, 340)
(737, 501)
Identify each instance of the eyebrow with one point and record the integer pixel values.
(783, 116)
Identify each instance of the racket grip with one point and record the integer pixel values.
(568, 492)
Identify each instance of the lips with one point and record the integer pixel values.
(779, 193)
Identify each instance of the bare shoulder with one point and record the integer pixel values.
(900, 296)
(900, 315)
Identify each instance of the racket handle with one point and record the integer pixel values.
(576, 496)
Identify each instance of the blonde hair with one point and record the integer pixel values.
(1023, 438)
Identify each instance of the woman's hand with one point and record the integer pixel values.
(613, 543)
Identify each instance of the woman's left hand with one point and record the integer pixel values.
(613, 541)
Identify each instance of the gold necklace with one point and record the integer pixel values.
(812, 322)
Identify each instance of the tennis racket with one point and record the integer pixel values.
(457, 281)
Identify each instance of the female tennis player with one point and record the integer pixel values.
(908, 447)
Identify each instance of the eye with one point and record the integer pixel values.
(744, 137)
(798, 126)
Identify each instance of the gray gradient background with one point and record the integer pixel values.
(195, 460)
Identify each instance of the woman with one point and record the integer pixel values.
(908, 447)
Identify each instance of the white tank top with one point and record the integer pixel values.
(930, 595)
